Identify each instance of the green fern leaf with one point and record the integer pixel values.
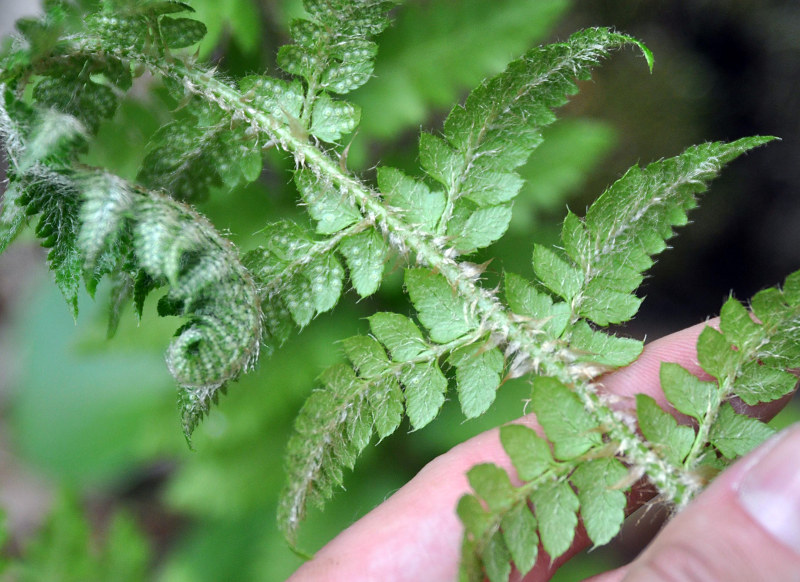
(45, 138)
(331, 207)
(41, 144)
(519, 532)
(566, 423)
(365, 254)
(524, 299)
(331, 119)
(333, 427)
(55, 199)
(660, 428)
(175, 245)
(594, 346)
(478, 375)
(446, 315)
(496, 558)
(139, 25)
(68, 87)
(333, 52)
(332, 49)
(181, 32)
(424, 387)
(529, 452)
(631, 221)
(188, 158)
(735, 435)
(780, 313)
(687, 393)
(211, 288)
(106, 238)
(296, 273)
(492, 484)
(472, 227)
(42, 35)
(499, 126)
(556, 509)
(420, 207)
(750, 357)
(555, 273)
(53, 140)
(370, 361)
(602, 503)
(107, 204)
(399, 334)
(281, 99)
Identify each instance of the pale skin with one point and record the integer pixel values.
(733, 531)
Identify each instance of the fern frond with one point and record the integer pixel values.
(505, 523)
(332, 50)
(130, 24)
(460, 316)
(333, 53)
(46, 190)
(189, 157)
(55, 199)
(498, 127)
(174, 245)
(96, 224)
(296, 272)
(333, 427)
(738, 357)
(523, 344)
(747, 358)
(34, 139)
(628, 224)
(208, 285)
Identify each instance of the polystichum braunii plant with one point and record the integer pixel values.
(63, 74)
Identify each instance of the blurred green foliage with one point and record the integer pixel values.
(66, 549)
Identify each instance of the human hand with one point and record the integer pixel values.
(744, 527)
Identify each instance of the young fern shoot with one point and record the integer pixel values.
(143, 234)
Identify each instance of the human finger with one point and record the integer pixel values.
(745, 527)
(416, 535)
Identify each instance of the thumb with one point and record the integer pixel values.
(744, 527)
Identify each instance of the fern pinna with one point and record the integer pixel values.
(62, 75)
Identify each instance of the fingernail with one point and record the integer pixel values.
(770, 489)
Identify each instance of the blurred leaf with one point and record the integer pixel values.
(65, 550)
(73, 425)
(571, 150)
(556, 511)
(529, 452)
(238, 19)
(433, 52)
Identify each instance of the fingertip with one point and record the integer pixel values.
(745, 526)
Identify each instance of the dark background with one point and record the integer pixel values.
(723, 70)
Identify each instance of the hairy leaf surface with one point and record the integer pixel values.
(484, 140)
(632, 220)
